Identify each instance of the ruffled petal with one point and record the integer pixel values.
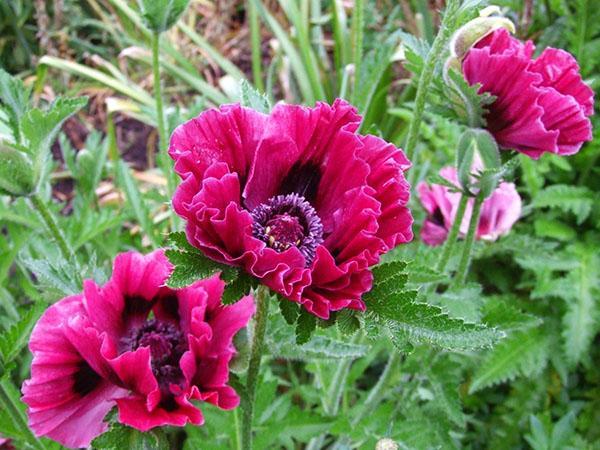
(229, 134)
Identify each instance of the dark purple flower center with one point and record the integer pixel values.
(167, 345)
(288, 220)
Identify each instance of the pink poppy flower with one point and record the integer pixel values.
(542, 105)
(499, 212)
(297, 198)
(135, 344)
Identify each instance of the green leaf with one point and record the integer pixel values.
(465, 152)
(40, 128)
(389, 305)
(523, 353)
(580, 323)
(503, 314)
(254, 99)
(160, 15)
(16, 172)
(438, 179)
(575, 199)
(289, 310)
(307, 323)
(193, 266)
(468, 104)
(241, 285)
(15, 100)
(348, 322)
(119, 437)
(319, 347)
(16, 337)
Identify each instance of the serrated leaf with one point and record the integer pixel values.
(438, 179)
(289, 309)
(251, 98)
(15, 100)
(424, 323)
(120, 437)
(468, 103)
(575, 199)
(419, 274)
(190, 267)
(179, 240)
(40, 128)
(238, 287)
(305, 326)
(444, 384)
(319, 347)
(16, 337)
(580, 322)
(504, 315)
(16, 172)
(523, 353)
(348, 322)
(160, 15)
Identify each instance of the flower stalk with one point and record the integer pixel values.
(453, 234)
(260, 327)
(426, 76)
(48, 218)
(465, 260)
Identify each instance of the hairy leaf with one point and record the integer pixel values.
(523, 353)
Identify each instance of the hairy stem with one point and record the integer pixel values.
(453, 234)
(257, 76)
(52, 226)
(377, 392)
(358, 24)
(165, 162)
(465, 260)
(433, 56)
(260, 327)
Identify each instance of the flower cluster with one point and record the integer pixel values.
(134, 344)
(297, 198)
(499, 211)
(541, 105)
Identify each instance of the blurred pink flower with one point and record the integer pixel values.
(135, 344)
(542, 105)
(297, 198)
(499, 212)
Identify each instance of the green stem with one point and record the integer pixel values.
(164, 160)
(377, 392)
(358, 19)
(260, 327)
(17, 416)
(48, 218)
(465, 260)
(236, 419)
(160, 113)
(427, 74)
(255, 46)
(453, 234)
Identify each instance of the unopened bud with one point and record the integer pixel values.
(386, 444)
(475, 30)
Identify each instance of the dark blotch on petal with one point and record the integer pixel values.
(302, 179)
(85, 379)
(136, 306)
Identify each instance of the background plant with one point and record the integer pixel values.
(425, 381)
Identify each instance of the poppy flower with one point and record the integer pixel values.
(499, 212)
(134, 344)
(297, 198)
(542, 104)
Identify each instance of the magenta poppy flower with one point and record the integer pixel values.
(297, 198)
(499, 212)
(135, 344)
(542, 105)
